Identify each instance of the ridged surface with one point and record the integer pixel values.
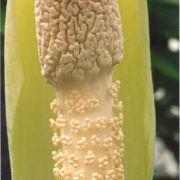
(78, 38)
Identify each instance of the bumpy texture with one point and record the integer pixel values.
(77, 38)
(87, 148)
(79, 43)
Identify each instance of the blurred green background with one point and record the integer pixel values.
(164, 36)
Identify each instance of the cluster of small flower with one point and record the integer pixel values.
(88, 138)
(75, 126)
(103, 162)
(95, 141)
(116, 157)
(60, 122)
(73, 160)
(77, 104)
(87, 124)
(116, 122)
(53, 124)
(99, 123)
(62, 173)
(118, 105)
(120, 172)
(55, 106)
(82, 143)
(108, 143)
(65, 174)
(111, 175)
(61, 140)
(89, 158)
(97, 176)
(113, 90)
(56, 139)
(114, 174)
(59, 158)
(118, 135)
(66, 141)
(79, 175)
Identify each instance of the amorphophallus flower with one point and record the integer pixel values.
(79, 43)
(27, 97)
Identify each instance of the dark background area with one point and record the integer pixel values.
(5, 163)
(164, 35)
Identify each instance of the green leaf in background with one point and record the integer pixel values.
(164, 64)
(170, 2)
(161, 19)
(2, 20)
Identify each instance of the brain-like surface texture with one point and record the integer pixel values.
(77, 38)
